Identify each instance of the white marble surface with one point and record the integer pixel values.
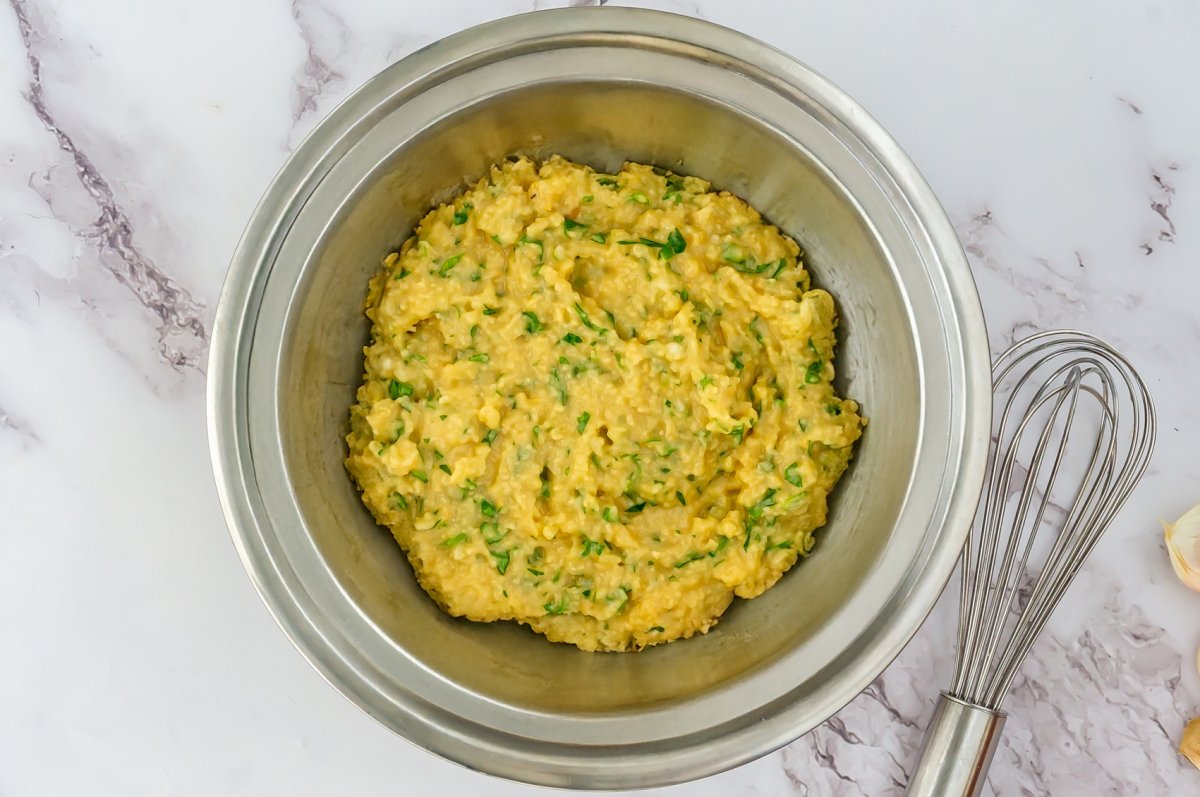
(135, 138)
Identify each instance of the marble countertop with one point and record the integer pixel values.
(136, 137)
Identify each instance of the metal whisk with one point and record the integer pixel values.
(1072, 438)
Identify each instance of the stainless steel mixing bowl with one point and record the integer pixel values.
(599, 86)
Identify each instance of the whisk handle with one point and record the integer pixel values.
(959, 746)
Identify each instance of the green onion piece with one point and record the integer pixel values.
(679, 496)
(481, 357)
(636, 508)
(457, 539)
(639, 197)
(532, 242)
(460, 216)
(732, 253)
(609, 514)
(737, 360)
(448, 264)
(533, 324)
(488, 310)
(792, 474)
(487, 508)
(444, 468)
(674, 245)
(571, 224)
(607, 182)
(587, 321)
(560, 387)
(812, 374)
(600, 237)
(420, 475)
(400, 501)
(591, 547)
(397, 389)
(490, 437)
(767, 500)
(501, 558)
(582, 422)
(687, 560)
(572, 338)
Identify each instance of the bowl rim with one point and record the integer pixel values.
(232, 341)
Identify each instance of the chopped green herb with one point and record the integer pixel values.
(607, 182)
(680, 497)
(639, 197)
(587, 198)
(609, 514)
(400, 501)
(737, 360)
(557, 608)
(683, 295)
(658, 629)
(732, 253)
(803, 424)
(501, 558)
(444, 468)
(491, 532)
(636, 508)
(778, 546)
(591, 546)
(792, 474)
(481, 357)
(738, 432)
(487, 310)
(448, 264)
(535, 572)
(673, 196)
(496, 238)
(571, 224)
(560, 387)
(782, 264)
(795, 501)
(402, 273)
(457, 539)
(460, 216)
(582, 421)
(687, 560)
(587, 321)
(533, 324)
(833, 409)
(532, 242)
(600, 237)
(420, 475)
(705, 381)
(767, 500)
(397, 389)
(487, 508)
(812, 374)
(572, 338)
(490, 437)
(674, 245)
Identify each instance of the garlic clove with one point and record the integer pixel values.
(1183, 544)
(1189, 745)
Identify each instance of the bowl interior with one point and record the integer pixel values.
(391, 178)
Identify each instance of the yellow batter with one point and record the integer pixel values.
(599, 405)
